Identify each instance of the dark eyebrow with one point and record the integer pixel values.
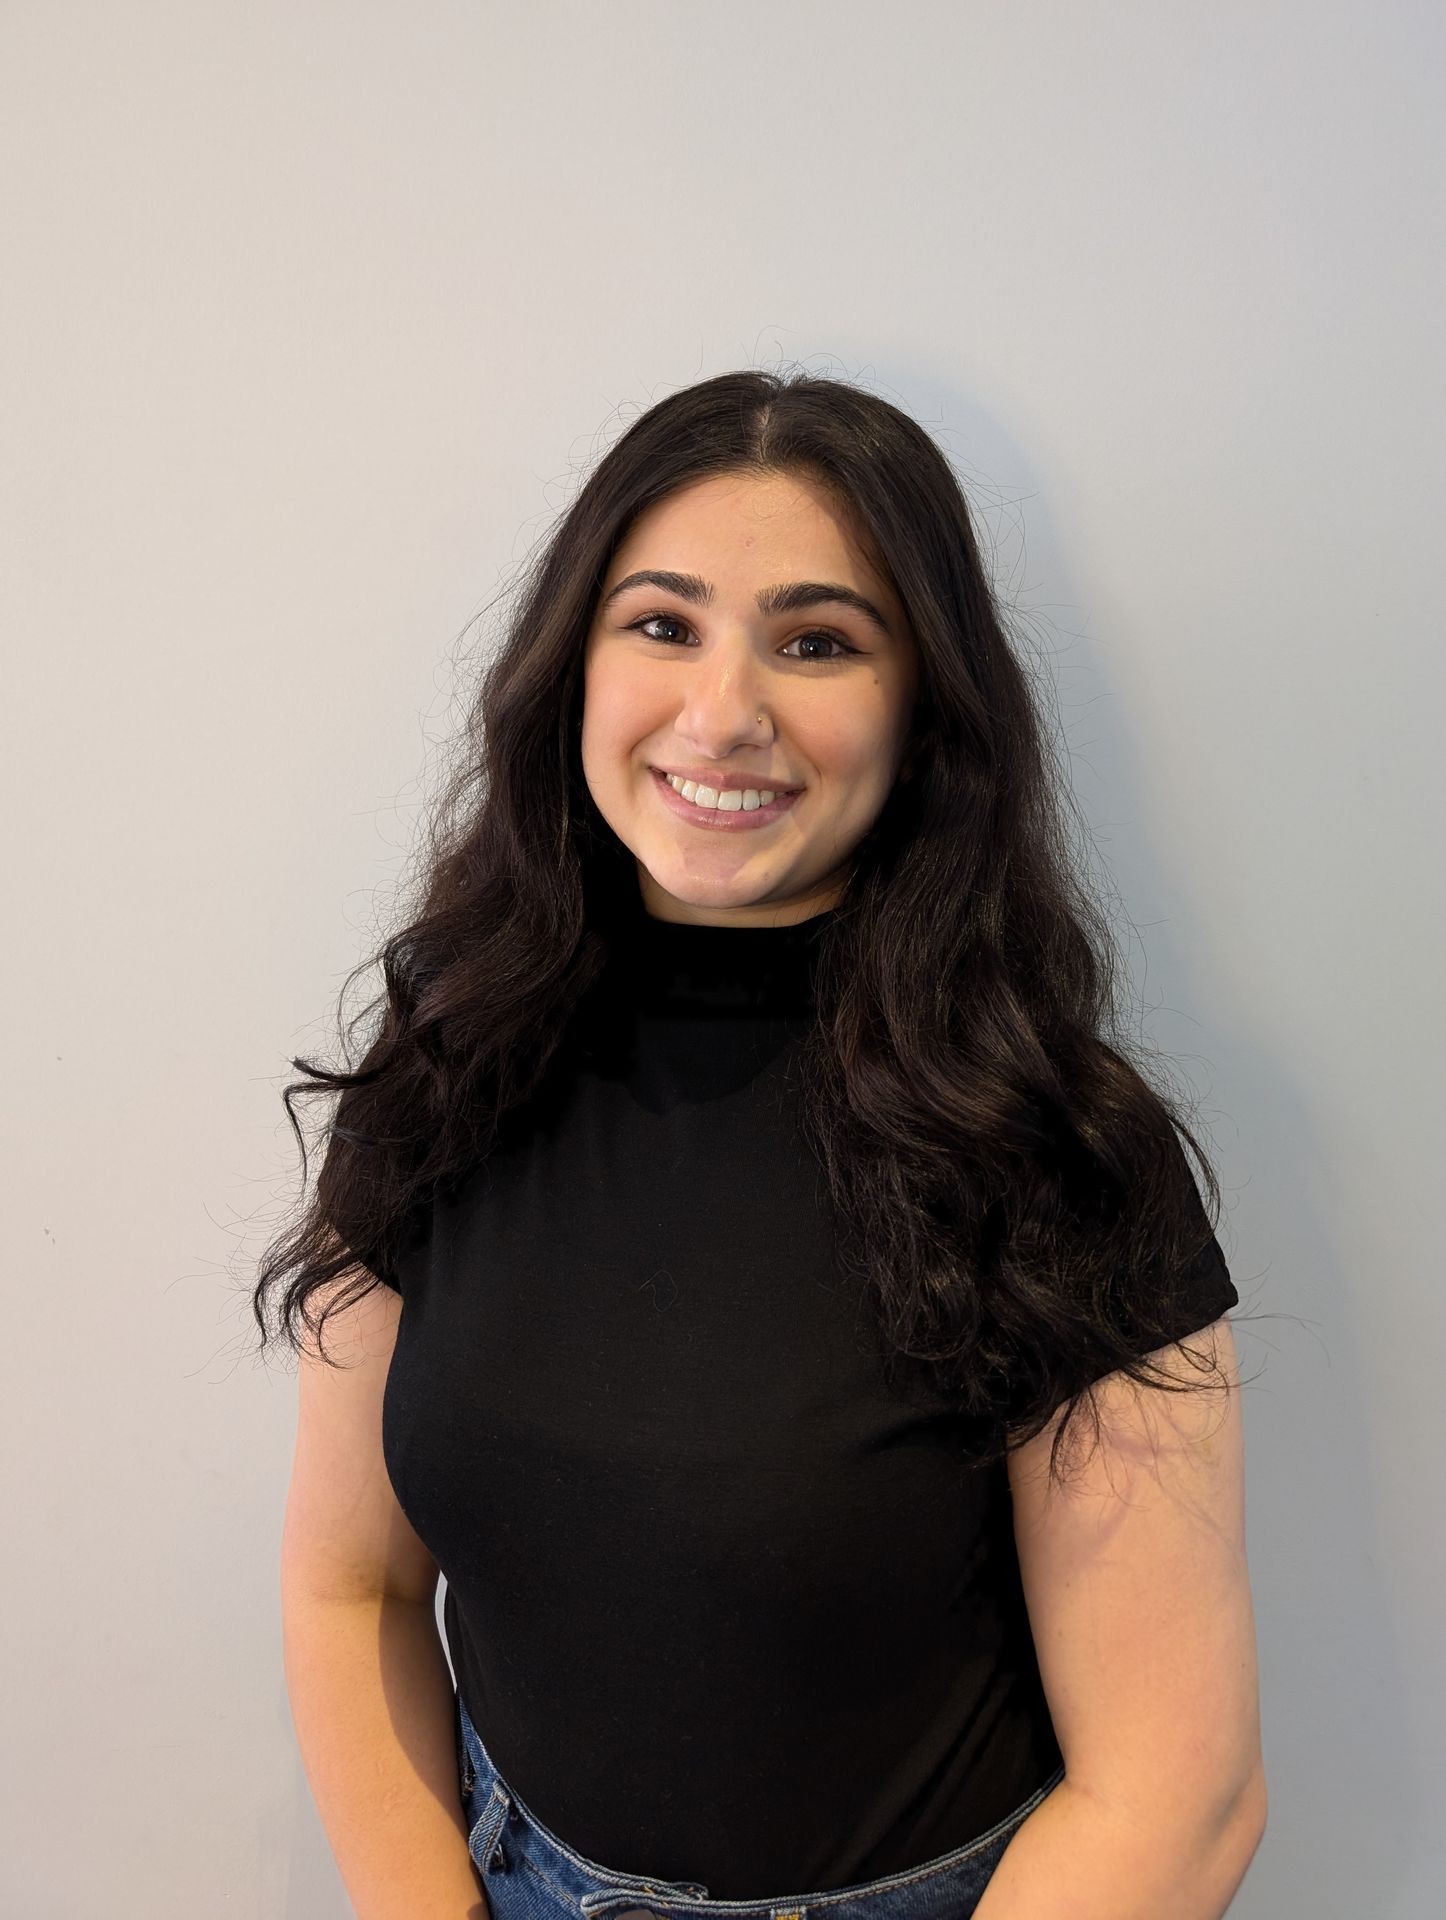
(790, 598)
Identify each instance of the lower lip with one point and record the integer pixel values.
(712, 820)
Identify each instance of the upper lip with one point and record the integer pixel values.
(729, 782)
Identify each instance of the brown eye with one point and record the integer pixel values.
(814, 633)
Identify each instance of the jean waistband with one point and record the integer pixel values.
(502, 1827)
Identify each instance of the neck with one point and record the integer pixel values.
(678, 966)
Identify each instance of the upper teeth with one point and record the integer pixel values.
(732, 800)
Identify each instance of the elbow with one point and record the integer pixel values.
(1246, 1821)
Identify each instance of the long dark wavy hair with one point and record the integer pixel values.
(1011, 1184)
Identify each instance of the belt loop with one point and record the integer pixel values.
(622, 1904)
(482, 1841)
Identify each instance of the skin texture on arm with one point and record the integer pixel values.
(366, 1673)
(1139, 1602)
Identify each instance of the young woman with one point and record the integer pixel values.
(750, 1266)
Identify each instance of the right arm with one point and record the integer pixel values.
(366, 1673)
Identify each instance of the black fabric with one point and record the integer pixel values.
(723, 1606)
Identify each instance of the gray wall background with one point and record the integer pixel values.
(312, 315)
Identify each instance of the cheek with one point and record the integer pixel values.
(604, 721)
(618, 706)
(616, 727)
(847, 751)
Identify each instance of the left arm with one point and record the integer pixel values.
(1138, 1594)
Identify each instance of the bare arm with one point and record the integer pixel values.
(366, 1673)
(1139, 1602)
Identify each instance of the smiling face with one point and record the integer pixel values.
(736, 672)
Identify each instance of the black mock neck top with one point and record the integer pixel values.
(723, 1605)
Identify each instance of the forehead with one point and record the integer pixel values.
(746, 528)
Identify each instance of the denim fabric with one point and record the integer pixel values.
(530, 1874)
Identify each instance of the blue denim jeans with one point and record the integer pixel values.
(529, 1874)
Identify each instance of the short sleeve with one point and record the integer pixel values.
(1196, 1297)
(1201, 1294)
(389, 1277)
(398, 1260)
(376, 1264)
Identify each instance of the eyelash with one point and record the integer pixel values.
(814, 633)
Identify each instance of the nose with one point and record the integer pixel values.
(728, 705)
